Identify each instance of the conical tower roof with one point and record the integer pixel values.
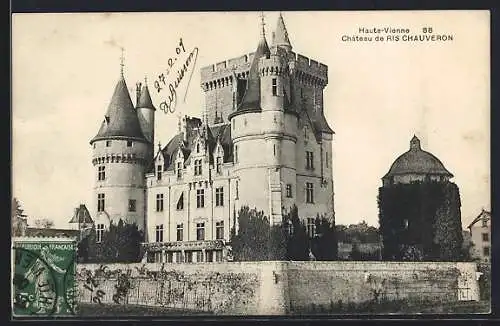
(145, 99)
(120, 121)
(251, 98)
(280, 36)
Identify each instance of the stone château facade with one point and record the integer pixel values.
(263, 142)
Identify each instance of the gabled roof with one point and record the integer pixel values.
(484, 215)
(121, 119)
(81, 215)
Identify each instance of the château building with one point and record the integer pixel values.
(262, 141)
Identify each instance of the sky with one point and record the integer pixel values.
(380, 93)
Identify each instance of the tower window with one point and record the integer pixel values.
(200, 231)
(301, 93)
(235, 153)
(326, 158)
(99, 233)
(309, 192)
(200, 198)
(274, 149)
(237, 189)
(180, 232)
(275, 87)
(159, 202)
(100, 202)
(234, 124)
(101, 175)
(159, 170)
(197, 167)
(218, 166)
(311, 227)
(129, 143)
(108, 143)
(306, 133)
(132, 205)
(309, 160)
(289, 190)
(159, 233)
(94, 145)
(219, 196)
(219, 230)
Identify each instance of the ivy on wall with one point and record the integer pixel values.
(420, 221)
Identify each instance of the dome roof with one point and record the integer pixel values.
(417, 161)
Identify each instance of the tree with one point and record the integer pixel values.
(325, 244)
(355, 252)
(297, 241)
(44, 223)
(120, 243)
(18, 219)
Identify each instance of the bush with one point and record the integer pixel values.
(484, 281)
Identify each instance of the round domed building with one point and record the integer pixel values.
(419, 209)
(416, 165)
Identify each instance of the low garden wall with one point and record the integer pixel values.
(272, 288)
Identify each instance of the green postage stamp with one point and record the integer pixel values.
(43, 277)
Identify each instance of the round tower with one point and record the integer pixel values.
(120, 156)
(146, 114)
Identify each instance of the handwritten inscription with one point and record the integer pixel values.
(165, 81)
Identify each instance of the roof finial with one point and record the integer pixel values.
(263, 23)
(122, 58)
(146, 81)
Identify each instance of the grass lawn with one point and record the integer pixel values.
(111, 310)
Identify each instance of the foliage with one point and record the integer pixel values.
(257, 240)
(361, 232)
(484, 281)
(420, 221)
(44, 223)
(18, 218)
(324, 245)
(355, 252)
(121, 243)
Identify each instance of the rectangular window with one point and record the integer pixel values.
(159, 233)
(102, 173)
(311, 227)
(309, 160)
(100, 202)
(132, 205)
(218, 255)
(219, 165)
(159, 202)
(275, 87)
(199, 256)
(178, 257)
(158, 257)
(486, 251)
(180, 232)
(486, 237)
(219, 196)
(99, 233)
(210, 256)
(189, 256)
(200, 198)
(159, 170)
(289, 190)
(129, 143)
(309, 192)
(485, 223)
(179, 170)
(108, 143)
(180, 202)
(197, 167)
(219, 230)
(200, 231)
(170, 257)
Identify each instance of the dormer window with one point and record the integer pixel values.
(159, 171)
(179, 170)
(129, 143)
(218, 165)
(306, 133)
(108, 143)
(198, 148)
(197, 167)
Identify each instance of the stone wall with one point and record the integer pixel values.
(273, 288)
